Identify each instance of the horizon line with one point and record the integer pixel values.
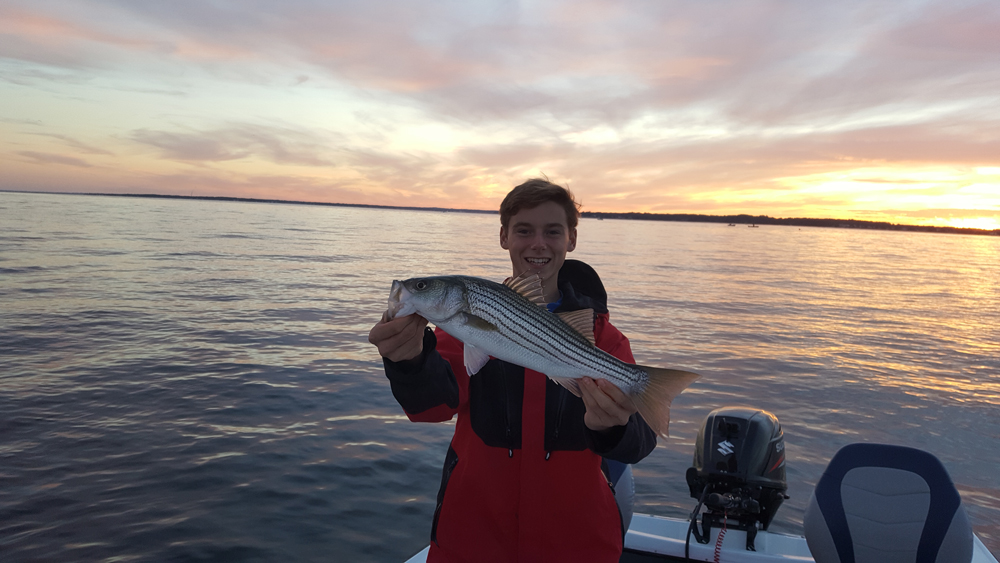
(634, 215)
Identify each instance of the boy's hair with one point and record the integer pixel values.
(535, 192)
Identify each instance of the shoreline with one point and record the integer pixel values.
(742, 219)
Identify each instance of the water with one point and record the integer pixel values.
(190, 380)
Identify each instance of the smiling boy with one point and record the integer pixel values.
(538, 239)
(523, 478)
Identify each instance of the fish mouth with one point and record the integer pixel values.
(397, 301)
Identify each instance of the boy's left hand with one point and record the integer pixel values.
(607, 405)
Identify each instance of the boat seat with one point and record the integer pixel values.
(887, 504)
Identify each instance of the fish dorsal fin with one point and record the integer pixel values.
(581, 321)
(529, 286)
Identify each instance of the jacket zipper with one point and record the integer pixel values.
(555, 433)
(506, 406)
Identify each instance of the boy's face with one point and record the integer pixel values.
(538, 240)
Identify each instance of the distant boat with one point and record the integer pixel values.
(752, 226)
(732, 224)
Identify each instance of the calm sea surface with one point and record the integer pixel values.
(188, 380)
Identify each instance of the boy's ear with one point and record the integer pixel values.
(572, 241)
(503, 238)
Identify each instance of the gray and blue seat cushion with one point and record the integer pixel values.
(887, 504)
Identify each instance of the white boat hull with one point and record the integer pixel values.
(655, 538)
(656, 535)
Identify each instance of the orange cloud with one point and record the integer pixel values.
(35, 30)
(53, 30)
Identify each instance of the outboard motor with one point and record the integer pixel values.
(739, 471)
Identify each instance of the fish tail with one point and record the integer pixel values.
(654, 401)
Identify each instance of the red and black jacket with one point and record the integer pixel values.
(522, 478)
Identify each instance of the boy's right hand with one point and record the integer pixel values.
(400, 339)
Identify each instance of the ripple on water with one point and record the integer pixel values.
(192, 380)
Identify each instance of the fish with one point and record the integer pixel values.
(509, 322)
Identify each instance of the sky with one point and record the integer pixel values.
(871, 110)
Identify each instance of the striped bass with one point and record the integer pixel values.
(506, 321)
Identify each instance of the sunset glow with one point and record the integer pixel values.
(845, 110)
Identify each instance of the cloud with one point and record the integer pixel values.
(78, 145)
(931, 213)
(190, 146)
(49, 158)
(63, 35)
(281, 145)
(14, 121)
(759, 64)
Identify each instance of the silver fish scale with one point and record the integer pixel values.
(527, 330)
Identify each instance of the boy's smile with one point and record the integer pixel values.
(538, 240)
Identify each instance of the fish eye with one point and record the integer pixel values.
(421, 285)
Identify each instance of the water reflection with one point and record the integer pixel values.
(196, 375)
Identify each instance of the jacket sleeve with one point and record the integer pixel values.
(425, 386)
(635, 440)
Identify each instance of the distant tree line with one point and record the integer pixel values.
(744, 219)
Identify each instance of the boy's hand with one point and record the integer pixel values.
(607, 405)
(399, 339)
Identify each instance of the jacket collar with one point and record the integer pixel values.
(581, 288)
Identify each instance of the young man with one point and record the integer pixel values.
(523, 478)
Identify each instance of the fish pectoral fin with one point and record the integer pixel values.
(529, 286)
(480, 323)
(581, 321)
(475, 359)
(571, 385)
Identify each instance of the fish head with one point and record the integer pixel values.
(395, 301)
(435, 298)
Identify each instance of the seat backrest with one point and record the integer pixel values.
(887, 504)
